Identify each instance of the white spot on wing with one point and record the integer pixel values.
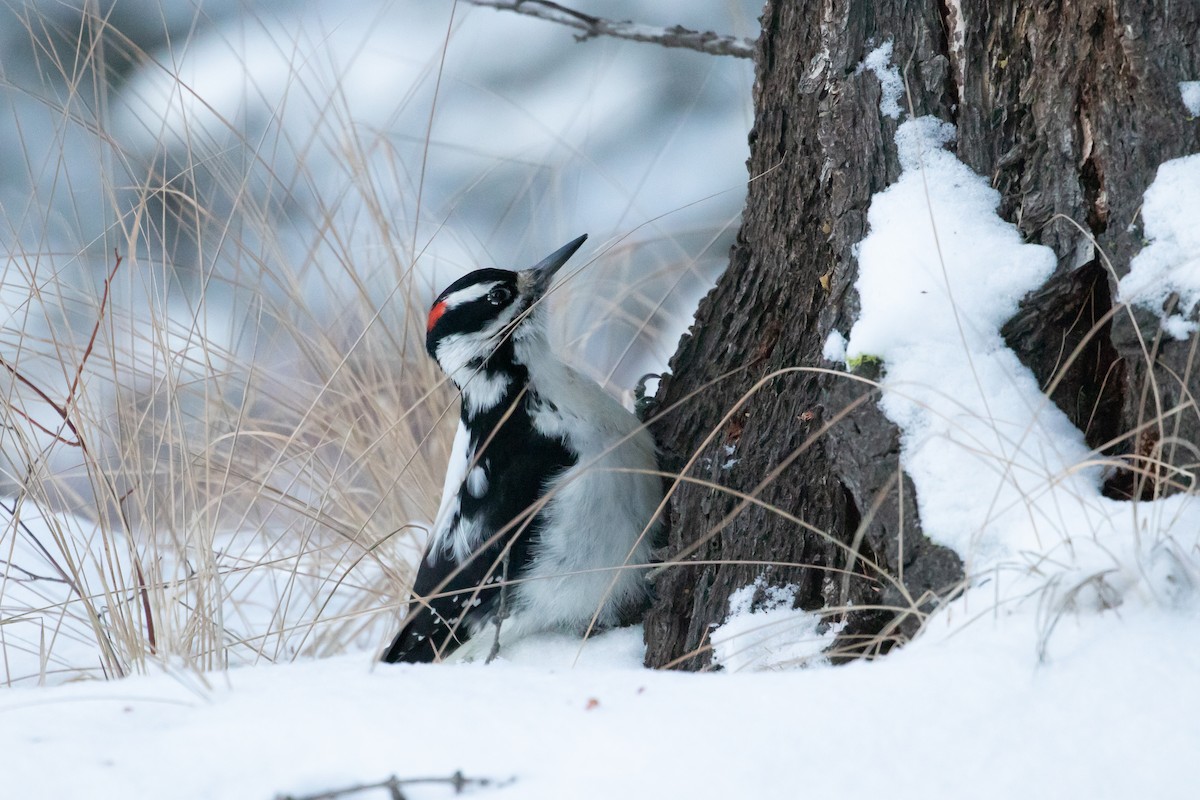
(477, 482)
(462, 539)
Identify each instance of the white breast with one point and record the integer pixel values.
(597, 534)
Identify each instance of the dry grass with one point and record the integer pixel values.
(227, 452)
(206, 467)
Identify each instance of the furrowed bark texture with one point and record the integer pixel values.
(819, 149)
(1068, 107)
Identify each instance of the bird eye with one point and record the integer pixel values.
(499, 295)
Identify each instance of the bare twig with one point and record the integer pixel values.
(87, 352)
(58, 409)
(713, 44)
(63, 575)
(458, 781)
(151, 638)
(63, 410)
(30, 577)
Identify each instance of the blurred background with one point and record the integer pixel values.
(221, 225)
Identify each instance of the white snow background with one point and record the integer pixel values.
(1068, 668)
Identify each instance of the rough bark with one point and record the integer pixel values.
(1069, 107)
(819, 149)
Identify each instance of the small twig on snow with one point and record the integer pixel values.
(713, 44)
(393, 784)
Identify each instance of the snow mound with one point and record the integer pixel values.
(770, 634)
(1170, 263)
(1002, 476)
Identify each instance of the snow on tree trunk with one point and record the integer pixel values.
(1068, 108)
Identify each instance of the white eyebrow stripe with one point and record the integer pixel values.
(468, 294)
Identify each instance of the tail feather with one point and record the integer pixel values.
(425, 638)
(450, 601)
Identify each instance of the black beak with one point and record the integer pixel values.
(536, 280)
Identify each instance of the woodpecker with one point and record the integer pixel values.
(550, 490)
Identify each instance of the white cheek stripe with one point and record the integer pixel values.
(469, 294)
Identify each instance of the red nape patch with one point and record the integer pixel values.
(435, 314)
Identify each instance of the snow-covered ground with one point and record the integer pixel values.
(1067, 669)
(1114, 712)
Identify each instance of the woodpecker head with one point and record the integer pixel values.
(482, 312)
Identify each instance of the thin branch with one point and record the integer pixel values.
(60, 410)
(457, 781)
(63, 410)
(32, 537)
(87, 352)
(713, 44)
(29, 576)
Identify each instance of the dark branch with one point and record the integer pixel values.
(393, 785)
(64, 410)
(677, 36)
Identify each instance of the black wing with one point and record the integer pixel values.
(456, 597)
(449, 600)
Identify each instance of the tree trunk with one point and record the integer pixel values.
(1069, 108)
